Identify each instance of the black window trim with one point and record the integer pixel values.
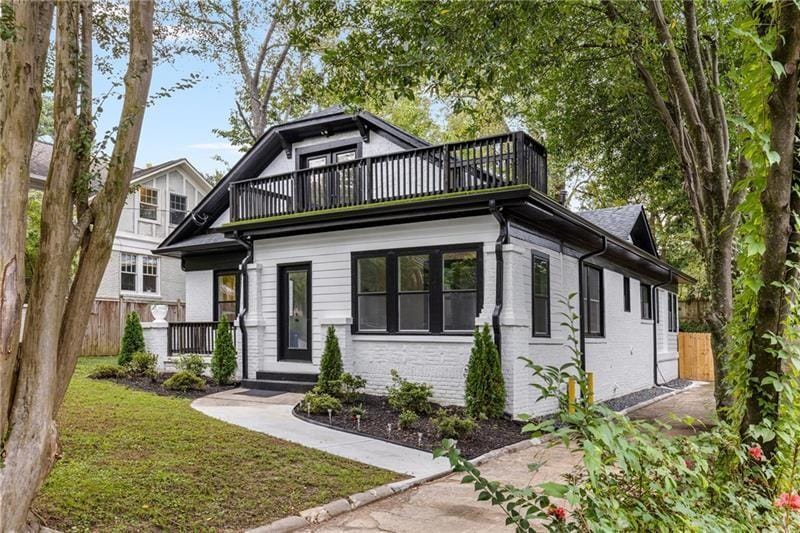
(546, 258)
(436, 318)
(672, 312)
(649, 300)
(585, 303)
(215, 289)
(626, 294)
(330, 149)
(173, 210)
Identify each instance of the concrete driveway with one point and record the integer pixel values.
(273, 415)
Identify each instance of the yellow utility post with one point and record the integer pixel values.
(571, 395)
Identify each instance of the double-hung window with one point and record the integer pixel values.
(672, 302)
(138, 273)
(626, 294)
(647, 301)
(416, 291)
(540, 281)
(177, 208)
(148, 203)
(594, 321)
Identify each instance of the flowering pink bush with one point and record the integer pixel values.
(756, 453)
(559, 513)
(789, 500)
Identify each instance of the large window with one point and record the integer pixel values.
(647, 301)
(672, 302)
(593, 323)
(626, 294)
(540, 282)
(177, 208)
(148, 203)
(138, 273)
(417, 291)
(226, 291)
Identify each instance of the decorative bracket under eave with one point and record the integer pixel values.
(362, 128)
(287, 147)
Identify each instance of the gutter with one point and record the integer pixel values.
(248, 258)
(502, 238)
(581, 334)
(655, 327)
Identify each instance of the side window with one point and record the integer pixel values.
(540, 282)
(371, 293)
(148, 203)
(673, 312)
(593, 306)
(647, 301)
(227, 285)
(626, 293)
(149, 274)
(127, 268)
(459, 290)
(177, 208)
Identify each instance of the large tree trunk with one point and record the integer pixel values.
(58, 305)
(762, 404)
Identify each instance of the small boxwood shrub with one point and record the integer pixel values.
(407, 419)
(223, 362)
(109, 372)
(404, 395)
(357, 410)
(142, 364)
(193, 363)
(318, 403)
(485, 390)
(453, 426)
(132, 339)
(184, 381)
(350, 387)
(330, 367)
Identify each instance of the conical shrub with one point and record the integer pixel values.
(132, 339)
(485, 390)
(330, 368)
(223, 361)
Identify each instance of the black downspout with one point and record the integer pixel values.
(581, 334)
(502, 238)
(655, 327)
(248, 258)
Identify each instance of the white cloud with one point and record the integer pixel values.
(214, 146)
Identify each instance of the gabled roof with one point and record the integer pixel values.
(141, 174)
(627, 222)
(276, 139)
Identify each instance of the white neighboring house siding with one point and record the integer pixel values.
(139, 236)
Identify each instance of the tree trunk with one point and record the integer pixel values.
(58, 309)
(719, 268)
(762, 404)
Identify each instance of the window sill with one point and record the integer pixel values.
(465, 338)
(132, 294)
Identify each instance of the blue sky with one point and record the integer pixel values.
(181, 125)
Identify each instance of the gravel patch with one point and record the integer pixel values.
(677, 384)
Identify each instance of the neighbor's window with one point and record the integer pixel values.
(647, 301)
(673, 312)
(626, 293)
(371, 294)
(413, 292)
(149, 274)
(593, 301)
(148, 203)
(540, 282)
(127, 268)
(416, 291)
(226, 295)
(177, 208)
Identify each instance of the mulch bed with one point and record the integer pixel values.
(487, 436)
(156, 386)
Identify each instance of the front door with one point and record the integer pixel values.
(294, 312)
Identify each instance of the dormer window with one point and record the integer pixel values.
(320, 159)
(148, 203)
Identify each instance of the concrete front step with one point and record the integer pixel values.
(286, 376)
(278, 385)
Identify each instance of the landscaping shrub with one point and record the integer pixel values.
(350, 387)
(405, 395)
(132, 339)
(108, 372)
(318, 402)
(185, 381)
(193, 363)
(453, 426)
(485, 391)
(407, 419)
(142, 364)
(694, 326)
(330, 368)
(357, 410)
(223, 361)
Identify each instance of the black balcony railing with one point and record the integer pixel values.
(193, 337)
(488, 163)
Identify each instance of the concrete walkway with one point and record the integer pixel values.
(273, 415)
(446, 505)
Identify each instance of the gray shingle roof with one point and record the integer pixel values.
(618, 221)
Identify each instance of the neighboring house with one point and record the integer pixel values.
(345, 220)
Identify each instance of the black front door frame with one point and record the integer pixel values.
(284, 352)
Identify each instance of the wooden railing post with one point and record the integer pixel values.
(446, 169)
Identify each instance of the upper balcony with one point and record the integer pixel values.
(511, 159)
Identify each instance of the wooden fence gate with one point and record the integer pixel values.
(107, 323)
(696, 358)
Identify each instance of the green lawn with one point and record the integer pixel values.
(133, 460)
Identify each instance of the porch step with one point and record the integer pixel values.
(278, 385)
(286, 376)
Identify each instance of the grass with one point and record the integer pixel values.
(133, 461)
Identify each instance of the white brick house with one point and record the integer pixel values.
(345, 220)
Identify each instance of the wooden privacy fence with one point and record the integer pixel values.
(107, 323)
(696, 358)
